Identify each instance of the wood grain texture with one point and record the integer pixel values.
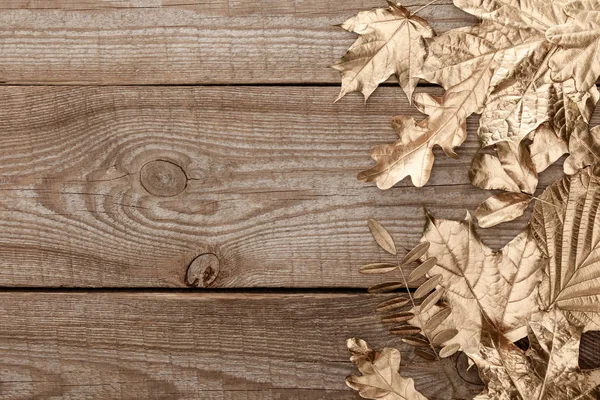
(190, 346)
(270, 186)
(182, 42)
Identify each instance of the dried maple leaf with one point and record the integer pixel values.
(500, 285)
(579, 41)
(391, 41)
(548, 370)
(566, 225)
(412, 154)
(380, 377)
(584, 148)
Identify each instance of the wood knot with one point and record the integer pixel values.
(203, 270)
(163, 178)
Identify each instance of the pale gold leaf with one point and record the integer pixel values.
(380, 377)
(391, 42)
(416, 341)
(386, 287)
(427, 286)
(547, 147)
(584, 148)
(566, 224)
(422, 269)
(398, 318)
(393, 304)
(487, 173)
(579, 40)
(449, 350)
(382, 236)
(377, 268)
(500, 208)
(431, 300)
(443, 336)
(416, 253)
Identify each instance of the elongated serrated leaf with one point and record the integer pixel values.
(427, 286)
(393, 304)
(416, 253)
(382, 236)
(422, 269)
(377, 268)
(386, 287)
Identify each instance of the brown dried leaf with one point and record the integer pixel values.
(398, 318)
(579, 40)
(425, 354)
(548, 370)
(416, 341)
(566, 225)
(501, 208)
(380, 377)
(393, 304)
(377, 268)
(405, 330)
(431, 300)
(412, 154)
(449, 350)
(382, 236)
(443, 336)
(386, 287)
(436, 319)
(391, 42)
(502, 285)
(422, 269)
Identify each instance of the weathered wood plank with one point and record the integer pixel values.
(264, 178)
(190, 346)
(182, 42)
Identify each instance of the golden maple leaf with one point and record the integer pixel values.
(391, 41)
(380, 377)
(566, 225)
(548, 370)
(579, 41)
(412, 154)
(500, 285)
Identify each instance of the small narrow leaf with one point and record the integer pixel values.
(377, 268)
(449, 350)
(427, 286)
(416, 341)
(405, 330)
(431, 300)
(393, 304)
(422, 269)
(382, 236)
(417, 252)
(398, 318)
(443, 336)
(385, 287)
(437, 318)
(427, 355)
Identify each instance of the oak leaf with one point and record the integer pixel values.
(380, 377)
(391, 41)
(566, 225)
(500, 285)
(579, 41)
(548, 370)
(412, 154)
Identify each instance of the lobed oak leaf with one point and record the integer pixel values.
(548, 370)
(412, 154)
(380, 377)
(391, 42)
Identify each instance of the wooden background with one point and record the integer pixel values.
(179, 214)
